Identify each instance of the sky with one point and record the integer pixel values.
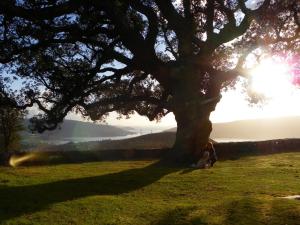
(234, 105)
(270, 78)
(273, 79)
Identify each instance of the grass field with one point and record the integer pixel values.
(243, 191)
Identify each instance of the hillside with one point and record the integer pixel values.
(147, 141)
(260, 129)
(162, 140)
(234, 131)
(73, 128)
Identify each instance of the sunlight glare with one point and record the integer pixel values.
(14, 160)
(272, 79)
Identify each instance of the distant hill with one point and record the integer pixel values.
(259, 129)
(234, 131)
(162, 140)
(147, 141)
(73, 128)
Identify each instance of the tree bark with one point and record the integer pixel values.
(193, 130)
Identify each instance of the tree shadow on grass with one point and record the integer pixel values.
(20, 200)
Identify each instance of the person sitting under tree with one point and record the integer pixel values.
(208, 159)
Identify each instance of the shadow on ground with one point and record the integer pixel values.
(20, 200)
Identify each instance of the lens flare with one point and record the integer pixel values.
(272, 79)
(294, 64)
(15, 160)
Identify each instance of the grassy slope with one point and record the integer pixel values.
(243, 192)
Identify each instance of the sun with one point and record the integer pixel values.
(272, 79)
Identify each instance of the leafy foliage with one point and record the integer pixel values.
(152, 56)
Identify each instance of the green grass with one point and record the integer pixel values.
(243, 191)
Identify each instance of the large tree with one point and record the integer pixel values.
(149, 56)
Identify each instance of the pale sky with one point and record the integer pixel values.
(270, 78)
(233, 106)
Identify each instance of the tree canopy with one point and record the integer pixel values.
(148, 56)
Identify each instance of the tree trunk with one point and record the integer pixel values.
(4, 158)
(193, 130)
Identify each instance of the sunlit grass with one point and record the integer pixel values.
(243, 191)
